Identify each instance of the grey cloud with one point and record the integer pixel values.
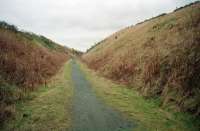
(81, 23)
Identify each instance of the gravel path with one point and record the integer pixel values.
(88, 112)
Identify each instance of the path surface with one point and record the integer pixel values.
(90, 113)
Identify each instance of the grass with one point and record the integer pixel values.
(48, 108)
(146, 112)
(159, 57)
(27, 64)
(24, 65)
(30, 36)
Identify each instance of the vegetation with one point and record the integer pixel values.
(7, 26)
(47, 108)
(163, 14)
(146, 112)
(196, 2)
(33, 38)
(76, 53)
(26, 61)
(159, 58)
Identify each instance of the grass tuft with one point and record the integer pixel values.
(48, 108)
(147, 113)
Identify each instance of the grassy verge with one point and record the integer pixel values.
(147, 113)
(48, 108)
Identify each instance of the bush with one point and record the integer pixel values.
(9, 94)
(24, 65)
(5, 25)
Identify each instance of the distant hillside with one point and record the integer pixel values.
(160, 57)
(26, 60)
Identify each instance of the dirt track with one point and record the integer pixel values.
(90, 113)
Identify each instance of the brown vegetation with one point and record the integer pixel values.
(160, 57)
(27, 64)
(24, 64)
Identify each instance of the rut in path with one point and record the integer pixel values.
(88, 112)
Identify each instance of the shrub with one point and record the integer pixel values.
(5, 25)
(9, 94)
(24, 65)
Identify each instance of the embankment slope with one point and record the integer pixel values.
(160, 57)
(26, 61)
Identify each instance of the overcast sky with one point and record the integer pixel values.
(81, 23)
